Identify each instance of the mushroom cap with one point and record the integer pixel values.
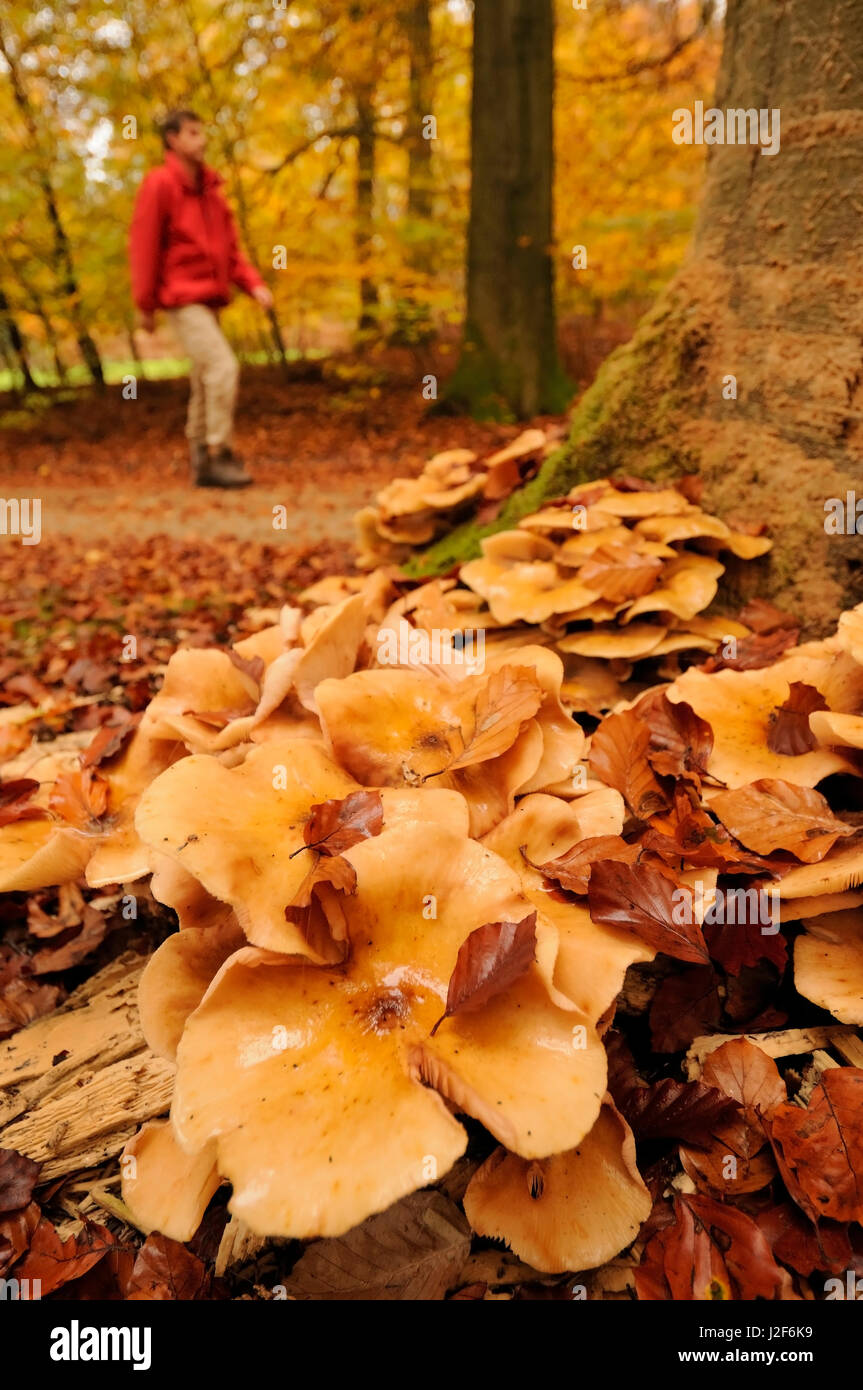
(391, 727)
(310, 1079)
(234, 830)
(41, 854)
(525, 591)
(592, 959)
(828, 964)
(837, 730)
(686, 586)
(627, 644)
(176, 978)
(573, 1211)
(199, 680)
(738, 706)
(171, 1189)
(837, 872)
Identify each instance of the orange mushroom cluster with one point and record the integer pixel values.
(409, 891)
(453, 486)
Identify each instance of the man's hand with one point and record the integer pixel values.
(147, 321)
(262, 296)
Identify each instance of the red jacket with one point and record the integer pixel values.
(183, 246)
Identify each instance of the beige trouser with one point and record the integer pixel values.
(214, 375)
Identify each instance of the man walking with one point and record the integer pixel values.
(185, 256)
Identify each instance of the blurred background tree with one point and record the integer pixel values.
(343, 132)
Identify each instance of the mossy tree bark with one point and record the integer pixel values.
(771, 295)
(509, 364)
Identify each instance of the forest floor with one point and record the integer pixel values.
(129, 545)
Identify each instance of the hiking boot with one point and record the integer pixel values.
(199, 456)
(223, 469)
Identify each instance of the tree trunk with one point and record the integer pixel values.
(509, 363)
(17, 346)
(413, 320)
(64, 265)
(365, 208)
(417, 22)
(771, 294)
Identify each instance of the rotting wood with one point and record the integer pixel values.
(787, 1042)
(75, 1085)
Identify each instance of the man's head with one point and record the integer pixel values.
(183, 133)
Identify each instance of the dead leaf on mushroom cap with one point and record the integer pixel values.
(337, 1056)
(16, 801)
(393, 728)
(235, 829)
(738, 705)
(790, 731)
(619, 758)
(573, 1211)
(592, 959)
(771, 814)
(640, 899)
(491, 959)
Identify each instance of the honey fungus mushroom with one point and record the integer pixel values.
(323, 1089)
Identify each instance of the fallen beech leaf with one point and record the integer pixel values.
(680, 740)
(642, 900)
(617, 573)
(754, 652)
(745, 1074)
(712, 1252)
(685, 1110)
(23, 1000)
(734, 945)
(491, 959)
(15, 797)
(16, 1230)
(18, 1176)
(219, 718)
(164, 1270)
(254, 667)
(689, 832)
(572, 869)
(684, 1006)
(109, 741)
(789, 731)
(55, 1261)
(512, 696)
(75, 949)
(820, 1149)
(414, 1250)
(806, 1248)
(333, 869)
(80, 798)
(618, 757)
(334, 826)
(771, 814)
(763, 617)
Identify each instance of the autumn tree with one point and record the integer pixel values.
(509, 360)
(747, 370)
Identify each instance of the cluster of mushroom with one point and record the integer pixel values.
(611, 575)
(374, 937)
(411, 512)
(364, 950)
(785, 764)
